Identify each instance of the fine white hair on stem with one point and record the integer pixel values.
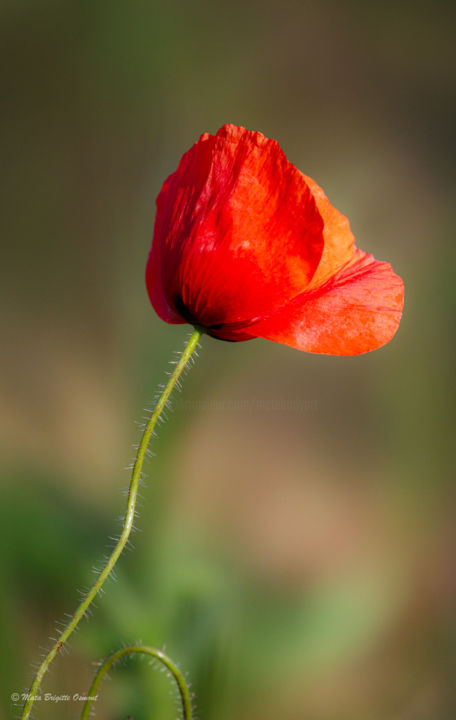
(158, 415)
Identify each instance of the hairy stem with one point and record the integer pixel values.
(127, 526)
(143, 650)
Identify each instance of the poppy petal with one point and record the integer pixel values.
(353, 312)
(339, 242)
(237, 232)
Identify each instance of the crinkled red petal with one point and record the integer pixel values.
(353, 312)
(237, 233)
(339, 243)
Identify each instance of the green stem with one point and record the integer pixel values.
(127, 526)
(143, 650)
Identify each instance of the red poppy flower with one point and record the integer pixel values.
(247, 246)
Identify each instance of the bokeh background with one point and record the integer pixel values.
(297, 542)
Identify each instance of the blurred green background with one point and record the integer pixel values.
(297, 542)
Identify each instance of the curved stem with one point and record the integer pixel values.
(143, 650)
(127, 526)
